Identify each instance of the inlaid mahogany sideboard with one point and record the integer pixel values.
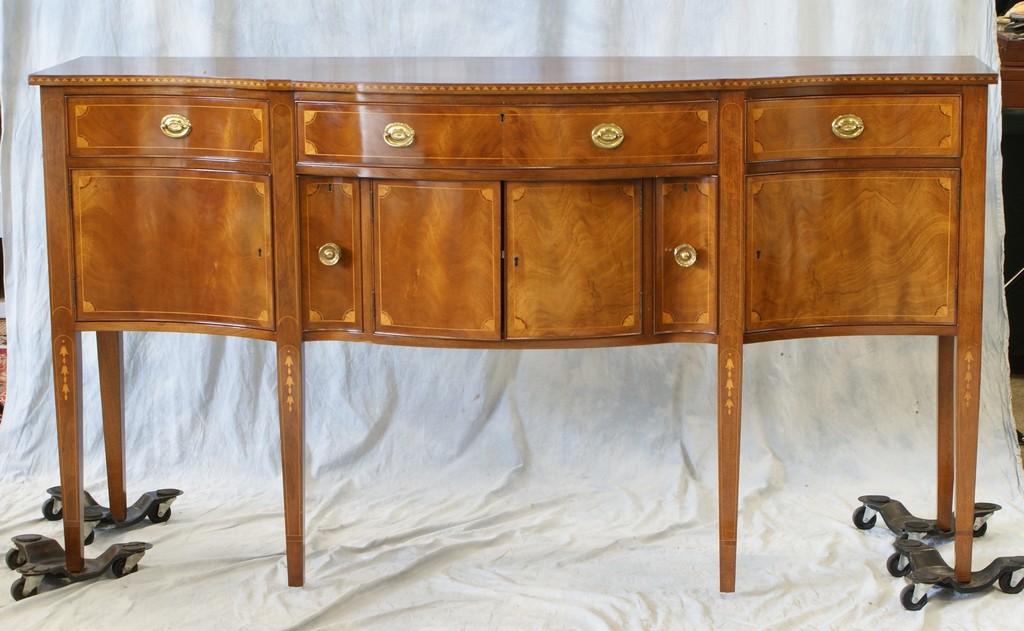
(516, 203)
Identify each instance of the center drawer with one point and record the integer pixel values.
(625, 135)
(512, 136)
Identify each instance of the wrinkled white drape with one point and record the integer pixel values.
(491, 489)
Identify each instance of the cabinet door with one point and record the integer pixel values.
(685, 256)
(573, 259)
(437, 255)
(854, 247)
(180, 246)
(331, 286)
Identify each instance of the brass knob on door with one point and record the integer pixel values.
(607, 135)
(175, 126)
(399, 135)
(330, 254)
(847, 126)
(685, 255)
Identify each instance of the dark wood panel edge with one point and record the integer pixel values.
(752, 337)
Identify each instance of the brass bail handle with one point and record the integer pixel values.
(685, 255)
(175, 126)
(847, 126)
(329, 254)
(399, 135)
(607, 135)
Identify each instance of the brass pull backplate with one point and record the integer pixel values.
(399, 135)
(175, 126)
(685, 255)
(329, 254)
(847, 126)
(607, 135)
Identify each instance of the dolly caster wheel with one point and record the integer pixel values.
(1007, 586)
(118, 568)
(897, 565)
(52, 511)
(860, 522)
(14, 559)
(981, 530)
(907, 599)
(18, 590)
(156, 517)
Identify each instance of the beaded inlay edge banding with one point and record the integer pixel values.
(507, 88)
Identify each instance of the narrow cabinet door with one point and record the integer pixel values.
(173, 245)
(685, 270)
(437, 257)
(330, 254)
(572, 259)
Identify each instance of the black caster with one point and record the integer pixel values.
(902, 523)
(156, 505)
(53, 508)
(38, 558)
(926, 569)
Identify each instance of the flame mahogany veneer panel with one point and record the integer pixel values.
(852, 247)
(573, 259)
(437, 258)
(183, 246)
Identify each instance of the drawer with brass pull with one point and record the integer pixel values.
(635, 134)
(853, 126)
(514, 136)
(205, 128)
(399, 135)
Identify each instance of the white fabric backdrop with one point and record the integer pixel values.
(472, 489)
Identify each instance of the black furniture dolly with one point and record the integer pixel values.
(922, 563)
(156, 505)
(38, 558)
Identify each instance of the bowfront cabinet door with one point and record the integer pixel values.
(177, 246)
(852, 247)
(437, 258)
(685, 271)
(331, 260)
(573, 259)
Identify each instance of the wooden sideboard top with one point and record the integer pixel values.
(510, 74)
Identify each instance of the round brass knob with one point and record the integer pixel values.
(685, 255)
(847, 126)
(330, 254)
(399, 135)
(607, 135)
(175, 126)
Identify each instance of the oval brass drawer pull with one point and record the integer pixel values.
(607, 135)
(175, 126)
(847, 126)
(685, 255)
(399, 134)
(330, 254)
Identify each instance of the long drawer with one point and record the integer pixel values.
(515, 136)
